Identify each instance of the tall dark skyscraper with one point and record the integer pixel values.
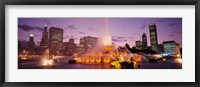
(31, 43)
(45, 40)
(153, 37)
(144, 41)
(55, 40)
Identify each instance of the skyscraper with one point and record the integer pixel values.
(44, 41)
(89, 41)
(144, 41)
(138, 44)
(55, 40)
(70, 47)
(31, 43)
(153, 37)
(171, 48)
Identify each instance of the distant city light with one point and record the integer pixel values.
(31, 35)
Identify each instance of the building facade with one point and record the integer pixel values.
(160, 48)
(153, 37)
(144, 41)
(80, 49)
(171, 48)
(31, 44)
(89, 41)
(70, 47)
(138, 45)
(55, 40)
(45, 38)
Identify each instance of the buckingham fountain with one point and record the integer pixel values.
(105, 52)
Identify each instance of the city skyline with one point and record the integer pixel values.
(122, 30)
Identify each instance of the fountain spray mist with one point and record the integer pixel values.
(106, 39)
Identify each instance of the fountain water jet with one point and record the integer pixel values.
(106, 39)
(46, 60)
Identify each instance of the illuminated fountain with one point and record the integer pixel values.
(105, 52)
(46, 60)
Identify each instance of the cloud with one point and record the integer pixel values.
(131, 37)
(115, 40)
(91, 29)
(29, 28)
(172, 24)
(71, 27)
(121, 37)
(143, 27)
(39, 28)
(81, 32)
(66, 37)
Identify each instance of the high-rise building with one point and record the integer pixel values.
(70, 47)
(82, 41)
(55, 40)
(160, 48)
(144, 41)
(138, 45)
(153, 37)
(80, 49)
(31, 43)
(171, 48)
(45, 40)
(89, 41)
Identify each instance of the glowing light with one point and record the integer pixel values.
(31, 35)
(137, 58)
(87, 60)
(106, 60)
(178, 55)
(46, 62)
(164, 59)
(45, 24)
(116, 64)
(157, 56)
(50, 62)
(179, 60)
(92, 60)
(23, 58)
(106, 40)
(79, 60)
(98, 60)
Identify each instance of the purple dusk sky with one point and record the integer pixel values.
(122, 30)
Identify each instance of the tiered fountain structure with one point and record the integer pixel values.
(104, 52)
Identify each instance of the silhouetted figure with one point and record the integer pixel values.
(126, 65)
(131, 64)
(138, 65)
(122, 65)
